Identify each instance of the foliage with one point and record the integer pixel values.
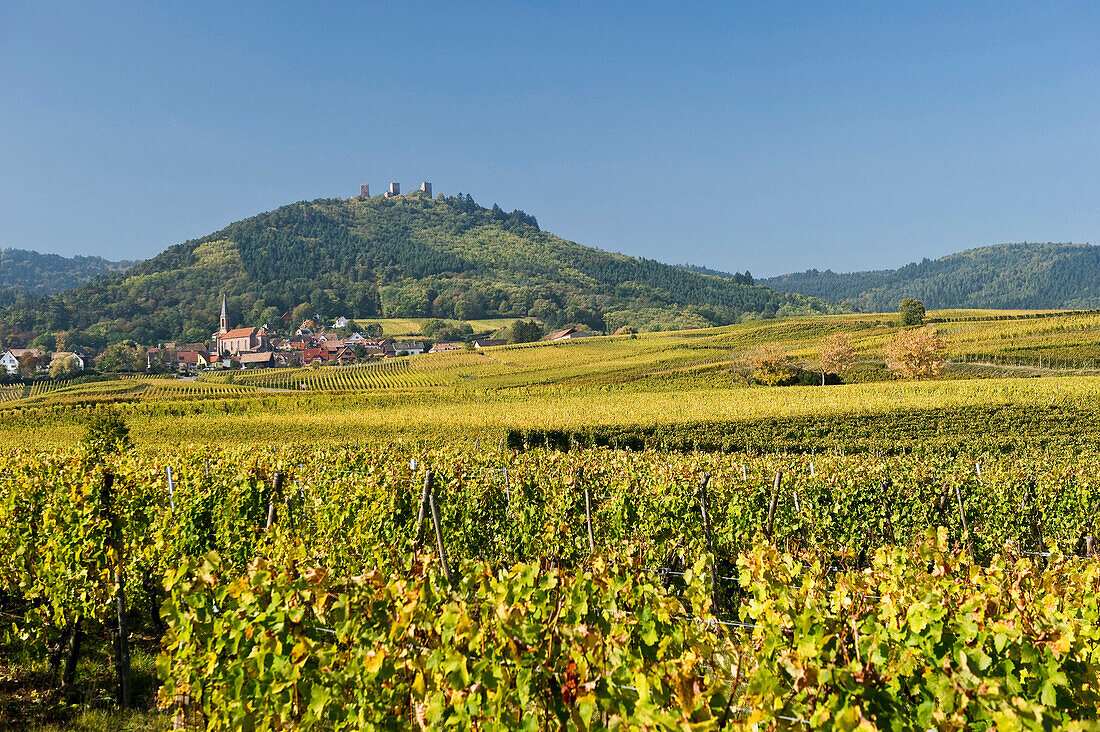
(923, 640)
(919, 353)
(835, 354)
(1023, 276)
(28, 272)
(519, 648)
(372, 330)
(770, 364)
(65, 367)
(29, 363)
(911, 311)
(863, 604)
(443, 331)
(105, 433)
(525, 331)
(124, 356)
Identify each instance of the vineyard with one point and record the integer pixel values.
(1056, 341)
(980, 344)
(401, 586)
(614, 532)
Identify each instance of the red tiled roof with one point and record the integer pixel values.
(238, 333)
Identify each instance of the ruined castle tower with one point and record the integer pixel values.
(395, 190)
(364, 190)
(427, 188)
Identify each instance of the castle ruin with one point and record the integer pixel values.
(394, 190)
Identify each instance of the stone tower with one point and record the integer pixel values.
(224, 323)
(395, 190)
(364, 190)
(427, 188)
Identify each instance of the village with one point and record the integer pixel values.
(251, 347)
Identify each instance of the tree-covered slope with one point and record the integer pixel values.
(407, 256)
(1006, 276)
(24, 271)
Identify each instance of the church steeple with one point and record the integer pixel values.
(225, 316)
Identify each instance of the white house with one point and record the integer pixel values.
(9, 362)
(340, 322)
(10, 359)
(355, 338)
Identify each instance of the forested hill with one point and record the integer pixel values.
(23, 271)
(408, 256)
(1025, 276)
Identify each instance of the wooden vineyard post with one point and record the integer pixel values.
(122, 640)
(429, 479)
(1033, 521)
(772, 504)
(704, 480)
(439, 538)
(68, 676)
(276, 494)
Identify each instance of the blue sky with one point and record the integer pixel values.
(772, 136)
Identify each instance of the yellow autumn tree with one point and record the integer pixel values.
(835, 354)
(770, 364)
(918, 353)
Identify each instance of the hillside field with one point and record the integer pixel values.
(625, 383)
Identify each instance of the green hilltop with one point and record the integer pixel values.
(406, 256)
(1005, 276)
(28, 272)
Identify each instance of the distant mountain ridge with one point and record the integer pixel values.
(1004, 276)
(404, 256)
(23, 270)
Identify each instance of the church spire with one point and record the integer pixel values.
(225, 316)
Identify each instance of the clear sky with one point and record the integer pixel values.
(768, 136)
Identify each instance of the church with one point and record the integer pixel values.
(239, 340)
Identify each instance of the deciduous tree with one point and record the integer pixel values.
(835, 355)
(525, 331)
(28, 365)
(770, 364)
(911, 311)
(65, 367)
(918, 353)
